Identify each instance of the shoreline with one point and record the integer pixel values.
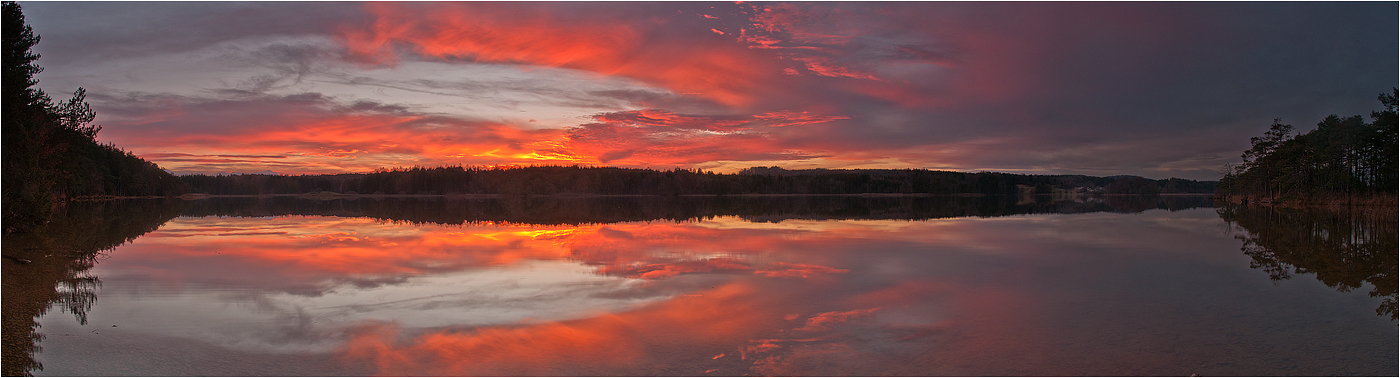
(200, 196)
(1363, 201)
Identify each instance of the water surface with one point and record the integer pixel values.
(817, 286)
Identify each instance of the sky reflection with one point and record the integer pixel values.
(1155, 293)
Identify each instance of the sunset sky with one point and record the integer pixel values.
(1152, 89)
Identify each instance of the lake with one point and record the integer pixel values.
(702, 286)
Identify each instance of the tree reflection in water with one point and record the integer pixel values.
(545, 210)
(47, 268)
(64, 251)
(1344, 248)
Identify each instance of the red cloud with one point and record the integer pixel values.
(810, 74)
(825, 320)
(307, 134)
(658, 137)
(782, 269)
(540, 35)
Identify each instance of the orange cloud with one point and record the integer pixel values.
(782, 269)
(825, 67)
(815, 68)
(826, 320)
(807, 35)
(540, 35)
(661, 138)
(308, 134)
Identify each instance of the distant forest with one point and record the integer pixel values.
(1342, 159)
(553, 210)
(551, 180)
(50, 151)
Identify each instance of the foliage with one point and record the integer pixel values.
(1133, 185)
(550, 180)
(50, 151)
(1341, 157)
(557, 210)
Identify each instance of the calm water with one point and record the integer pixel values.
(850, 287)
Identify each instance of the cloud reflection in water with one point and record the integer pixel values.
(1014, 295)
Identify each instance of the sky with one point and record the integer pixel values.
(1151, 89)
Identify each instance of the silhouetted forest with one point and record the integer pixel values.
(50, 151)
(1343, 158)
(594, 210)
(549, 180)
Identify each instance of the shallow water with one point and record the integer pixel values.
(1155, 292)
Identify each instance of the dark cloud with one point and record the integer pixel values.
(1059, 77)
(87, 31)
(285, 64)
(375, 107)
(1137, 88)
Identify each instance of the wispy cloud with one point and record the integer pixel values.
(307, 133)
(658, 137)
(1007, 86)
(601, 40)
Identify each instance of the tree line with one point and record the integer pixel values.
(1343, 158)
(593, 210)
(552, 180)
(50, 150)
